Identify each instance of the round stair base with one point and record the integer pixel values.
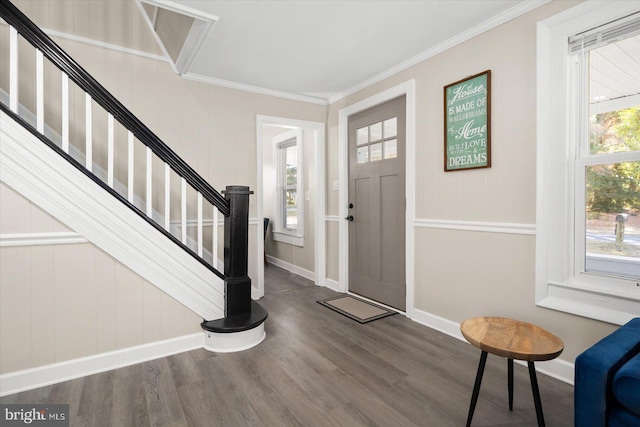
(230, 342)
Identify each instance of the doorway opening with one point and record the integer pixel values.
(291, 194)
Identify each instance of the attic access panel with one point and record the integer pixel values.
(179, 30)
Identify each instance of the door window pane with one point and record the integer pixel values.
(363, 154)
(375, 131)
(391, 149)
(390, 127)
(376, 151)
(362, 135)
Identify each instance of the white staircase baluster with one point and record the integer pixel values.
(184, 210)
(110, 143)
(130, 169)
(88, 133)
(214, 249)
(167, 196)
(13, 69)
(39, 91)
(149, 183)
(65, 113)
(199, 224)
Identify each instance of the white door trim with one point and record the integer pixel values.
(408, 89)
(319, 192)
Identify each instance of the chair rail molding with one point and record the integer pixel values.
(479, 226)
(40, 239)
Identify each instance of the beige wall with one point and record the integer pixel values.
(460, 274)
(61, 302)
(300, 256)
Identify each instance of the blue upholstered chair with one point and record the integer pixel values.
(607, 380)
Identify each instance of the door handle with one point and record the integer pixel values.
(349, 218)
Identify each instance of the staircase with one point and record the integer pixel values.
(91, 187)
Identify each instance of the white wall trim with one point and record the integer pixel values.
(254, 89)
(48, 180)
(28, 379)
(486, 227)
(506, 16)
(332, 284)
(319, 226)
(332, 218)
(307, 274)
(40, 239)
(407, 89)
(557, 368)
(209, 222)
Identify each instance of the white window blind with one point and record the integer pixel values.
(604, 34)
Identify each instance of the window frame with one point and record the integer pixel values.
(280, 143)
(561, 282)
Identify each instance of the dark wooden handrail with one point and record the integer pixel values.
(105, 187)
(34, 35)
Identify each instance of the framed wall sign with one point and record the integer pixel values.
(467, 123)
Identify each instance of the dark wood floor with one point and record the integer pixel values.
(315, 368)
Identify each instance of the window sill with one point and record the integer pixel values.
(591, 304)
(279, 236)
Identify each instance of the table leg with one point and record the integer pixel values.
(536, 394)
(476, 386)
(510, 385)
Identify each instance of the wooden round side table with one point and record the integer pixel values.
(512, 339)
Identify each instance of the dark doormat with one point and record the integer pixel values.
(356, 309)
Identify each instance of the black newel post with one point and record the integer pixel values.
(241, 313)
(237, 285)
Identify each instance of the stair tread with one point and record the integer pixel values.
(238, 322)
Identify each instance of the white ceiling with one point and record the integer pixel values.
(322, 48)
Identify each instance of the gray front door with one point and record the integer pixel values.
(377, 203)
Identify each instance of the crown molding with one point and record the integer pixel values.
(483, 27)
(254, 89)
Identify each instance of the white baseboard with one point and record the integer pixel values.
(292, 268)
(334, 285)
(557, 368)
(15, 382)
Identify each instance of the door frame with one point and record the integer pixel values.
(408, 89)
(319, 191)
